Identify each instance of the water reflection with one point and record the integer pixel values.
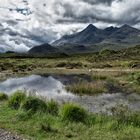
(53, 88)
(44, 86)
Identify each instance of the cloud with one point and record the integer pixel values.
(28, 23)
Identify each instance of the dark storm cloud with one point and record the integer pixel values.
(99, 1)
(110, 11)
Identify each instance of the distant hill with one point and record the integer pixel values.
(44, 49)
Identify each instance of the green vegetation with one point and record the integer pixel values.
(135, 78)
(3, 97)
(133, 82)
(106, 71)
(16, 99)
(73, 112)
(71, 122)
(127, 58)
(34, 104)
(52, 107)
(123, 115)
(88, 88)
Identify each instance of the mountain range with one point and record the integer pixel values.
(92, 35)
(92, 39)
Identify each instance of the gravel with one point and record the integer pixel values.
(6, 135)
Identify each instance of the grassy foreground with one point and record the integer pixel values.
(36, 119)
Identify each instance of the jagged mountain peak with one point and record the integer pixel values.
(126, 26)
(91, 27)
(92, 35)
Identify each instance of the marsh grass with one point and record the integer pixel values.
(52, 107)
(16, 99)
(3, 97)
(135, 78)
(99, 77)
(125, 116)
(34, 104)
(90, 88)
(73, 112)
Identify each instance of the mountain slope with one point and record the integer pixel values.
(44, 49)
(87, 36)
(92, 35)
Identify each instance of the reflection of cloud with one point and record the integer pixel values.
(44, 86)
(50, 19)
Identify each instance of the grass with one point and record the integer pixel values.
(73, 113)
(131, 82)
(16, 99)
(90, 88)
(52, 107)
(72, 122)
(23, 114)
(127, 58)
(34, 104)
(3, 97)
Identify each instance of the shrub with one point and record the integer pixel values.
(3, 96)
(52, 107)
(107, 52)
(70, 65)
(16, 99)
(61, 64)
(34, 104)
(73, 112)
(135, 78)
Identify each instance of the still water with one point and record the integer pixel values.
(54, 88)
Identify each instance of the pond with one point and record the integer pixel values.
(53, 87)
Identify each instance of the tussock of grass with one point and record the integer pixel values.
(52, 107)
(73, 112)
(135, 78)
(3, 96)
(34, 104)
(90, 88)
(16, 99)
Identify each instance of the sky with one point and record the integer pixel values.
(27, 23)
